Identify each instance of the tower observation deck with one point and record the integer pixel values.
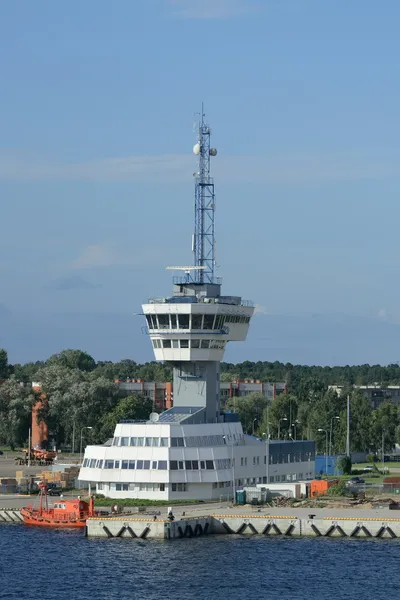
(190, 328)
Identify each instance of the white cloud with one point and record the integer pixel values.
(99, 255)
(214, 9)
(260, 310)
(272, 168)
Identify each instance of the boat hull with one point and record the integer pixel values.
(43, 521)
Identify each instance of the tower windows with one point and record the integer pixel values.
(183, 321)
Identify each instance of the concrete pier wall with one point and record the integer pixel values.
(244, 525)
(142, 528)
(10, 516)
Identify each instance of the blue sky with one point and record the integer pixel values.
(96, 122)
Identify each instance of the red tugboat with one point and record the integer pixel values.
(71, 512)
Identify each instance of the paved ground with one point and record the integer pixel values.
(203, 509)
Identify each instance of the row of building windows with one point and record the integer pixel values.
(275, 459)
(194, 441)
(191, 465)
(194, 321)
(193, 344)
(130, 487)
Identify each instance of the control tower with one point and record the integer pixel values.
(190, 328)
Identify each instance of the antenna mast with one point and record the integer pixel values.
(204, 208)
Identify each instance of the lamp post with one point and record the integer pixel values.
(80, 449)
(326, 450)
(383, 449)
(297, 422)
(233, 471)
(254, 420)
(330, 438)
(267, 438)
(279, 426)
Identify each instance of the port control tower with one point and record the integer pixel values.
(190, 328)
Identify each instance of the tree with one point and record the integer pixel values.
(133, 407)
(74, 400)
(73, 359)
(282, 415)
(384, 424)
(344, 464)
(4, 366)
(251, 411)
(15, 412)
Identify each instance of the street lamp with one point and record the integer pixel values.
(297, 422)
(80, 449)
(254, 420)
(233, 471)
(267, 438)
(330, 438)
(326, 450)
(279, 426)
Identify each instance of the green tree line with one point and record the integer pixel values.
(81, 393)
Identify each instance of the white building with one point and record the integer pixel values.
(194, 450)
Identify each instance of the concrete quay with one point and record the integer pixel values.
(10, 516)
(244, 524)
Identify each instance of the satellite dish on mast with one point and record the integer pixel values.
(196, 149)
(154, 417)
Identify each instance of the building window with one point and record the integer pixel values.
(177, 442)
(125, 464)
(109, 464)
(162, 487)
(162, 465)
(183, 321)
(146, 464)
(116, 464)
(208, 322)
(174, 322)
(197, 322)
(115, 441)
(175, 343)
(173, 465)
(209, 464)
(166, 343)
(139, 464)
(205, 344)
(202, 464)
(184, 343)
(131, 464)
(195, 344)
(164, 442)
(124, 441)
(179, 487)
(140, 441)
(163, 321)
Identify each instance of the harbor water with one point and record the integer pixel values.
(65, 565)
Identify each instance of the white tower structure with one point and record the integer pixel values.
(193, 450)
(190, 328)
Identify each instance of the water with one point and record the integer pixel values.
(59, 565)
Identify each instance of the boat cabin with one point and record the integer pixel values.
(67, 509)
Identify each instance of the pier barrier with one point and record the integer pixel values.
(225, 524)
(10, 516)
(142, 528)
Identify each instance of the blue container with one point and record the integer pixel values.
(320, 465)
(240, 497)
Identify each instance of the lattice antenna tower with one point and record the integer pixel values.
(203, 242)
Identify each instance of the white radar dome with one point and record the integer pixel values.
(196, 149)
(213, 152)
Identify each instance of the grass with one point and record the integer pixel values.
(141, 502)
(389, 465)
